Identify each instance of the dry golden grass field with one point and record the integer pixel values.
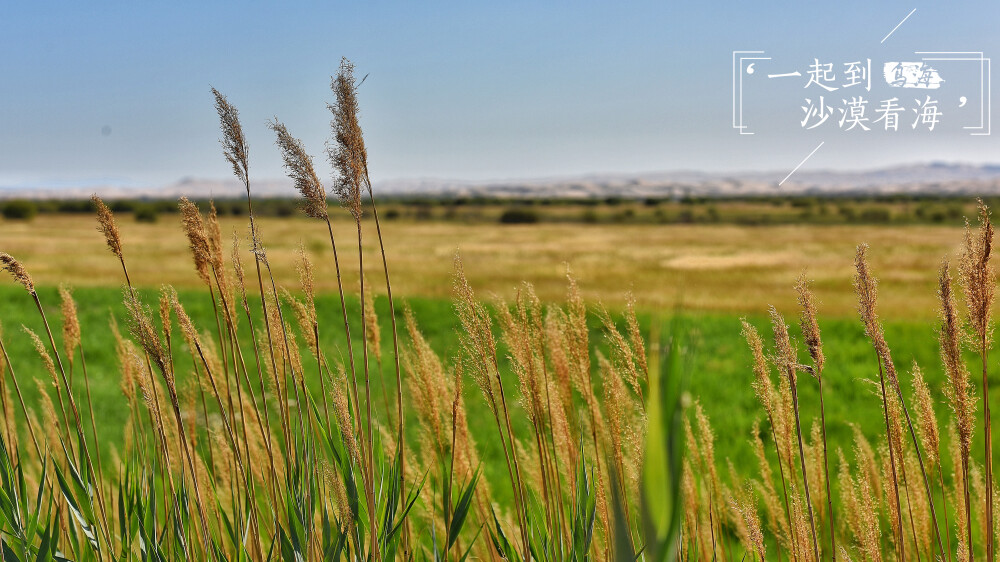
(721, 268)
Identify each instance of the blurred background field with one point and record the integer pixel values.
(725, 265)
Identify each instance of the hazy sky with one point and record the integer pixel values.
(468, 90)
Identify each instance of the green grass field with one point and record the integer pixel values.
(719, 365)
(713, 273)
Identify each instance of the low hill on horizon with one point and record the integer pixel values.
(936, 178)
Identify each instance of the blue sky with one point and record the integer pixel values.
(119, 92)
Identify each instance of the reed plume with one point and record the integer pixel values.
(17, 271)
(299, 166)
(479, 345)
(71, 342)
(234, 145)
(786, 361)
(635, 338)
(429, 386)
(624, 357)
(339, 399)
(304, 267)
(194, 229)
(71, 324)
(978, 279)
(108, 227)
(142, 329)
(977, 276)
(779, 525)
(348, 154)
(926, 420)
(744, 508)
(349, 159)
(866, 288)
(958, 390)
(53, 422)
(814, 344)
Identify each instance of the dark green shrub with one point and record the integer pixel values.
(122, 206)
(20, 209)
(75, 206)
(875, 215)
(146, 213)
(518, 215)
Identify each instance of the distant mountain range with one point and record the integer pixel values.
(916, 179)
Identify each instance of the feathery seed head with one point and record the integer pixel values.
(866, 287)
(430, 386)
(927, 425)
(294, 355)
(128, 380)
(577, 333)
(141, 326)
(340, 409)
(556, 346)
(466, 458)
(744, 508)
(522, 334)
(106, 224)
(17, 271)
(478, 341)
(165, 313)
(214, 237)
(49, 416)
(958, 389)
(299, 167)
(347, 154)
(635, 336)
(762, 384)
(36, 341)
(302, 318)
(706, 437)
(977, 276)
(71, 324)
(234, 144)
(784, 353)
(624, 357)
(305, 269)
(194, 228)
(810, 326)
(619, 407)
(183, 320)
